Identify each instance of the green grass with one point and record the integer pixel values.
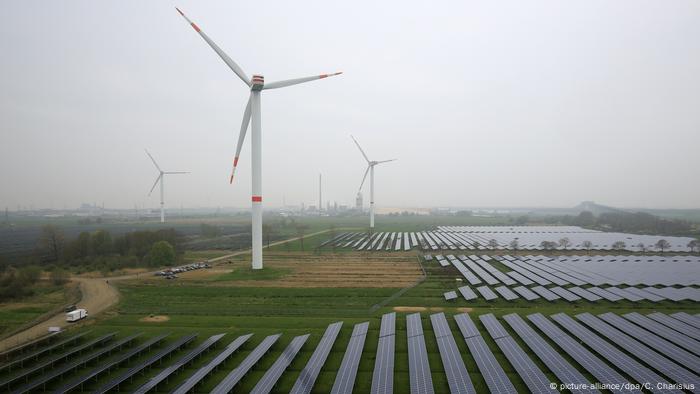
(47, 297)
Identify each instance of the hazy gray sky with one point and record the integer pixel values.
(484, 103)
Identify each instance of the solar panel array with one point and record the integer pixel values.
(419, 368)
(308, 375)
(383, 376)
(457, 376)
(345, 379)
(611, 350)
(480, 238)
(496, 379)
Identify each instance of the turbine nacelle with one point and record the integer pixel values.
(257, 83)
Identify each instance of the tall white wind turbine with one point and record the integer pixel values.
(252, 111)
(370, 169)
(161, 175)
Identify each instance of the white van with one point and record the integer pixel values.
(76, 315)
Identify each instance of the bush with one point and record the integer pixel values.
(162, 253)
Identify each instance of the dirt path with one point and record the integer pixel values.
(97, 295)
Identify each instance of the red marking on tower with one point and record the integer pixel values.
(196, 28)
(257, 198)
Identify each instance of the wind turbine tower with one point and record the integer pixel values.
(161, 176)
(252, 115)
(370, 168)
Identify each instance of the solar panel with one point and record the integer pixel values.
(418, 366)
(467, 293)
(450, 295)
(116, 382)
(40, 352)
(565, 294)
(308, 375)
(455, 371)
(645, 294)
(192, 381)
(526, 293)
(492, 372)
(683, 328)
(487, 293)
(681, 356)
(614, 355)
(180, 363)
(466, 325)
(493, 327)
(624, 294)
(383, 377)
(641, 351)
(45, 378)
(9, 353)
(345, 380)
(106, 367)
(601, 371)
(506, 293)
(24, 374)
(687, 318)
(545, 293)
(235, 376)
(268, 381)
(664, 332)
(583, 293)
(605, 294)
(413, 325)
(550, 357)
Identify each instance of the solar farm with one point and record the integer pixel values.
(499, 321)
(482, 238)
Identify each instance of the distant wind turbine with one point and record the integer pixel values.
(370, 169)
(161, 175)
(252, 110)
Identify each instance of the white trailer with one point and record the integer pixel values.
(76, 315)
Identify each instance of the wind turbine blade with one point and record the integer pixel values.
(290, 82)
(360, 148)
(229, 62)
(177, 172)
(241, 137)
(364, 177)
(153, 160)
(155, 183)
(385, 161)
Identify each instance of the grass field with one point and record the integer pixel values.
(47, 297)
(216, 304)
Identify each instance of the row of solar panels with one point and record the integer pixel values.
(445, 239)
(575, 293)
(466, 239)
(617, 351)
(544, 271)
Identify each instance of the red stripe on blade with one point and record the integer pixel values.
(196, 28)
(235, 161)
(257, 198)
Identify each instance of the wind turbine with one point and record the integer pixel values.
(252, 110)
(370, 169)
(161, 175)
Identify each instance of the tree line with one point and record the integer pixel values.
(101, 251)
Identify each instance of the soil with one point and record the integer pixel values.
(154, 319)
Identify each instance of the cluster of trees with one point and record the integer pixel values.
(17, 283)
(101, 251)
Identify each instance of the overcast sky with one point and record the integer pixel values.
(483, 103)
